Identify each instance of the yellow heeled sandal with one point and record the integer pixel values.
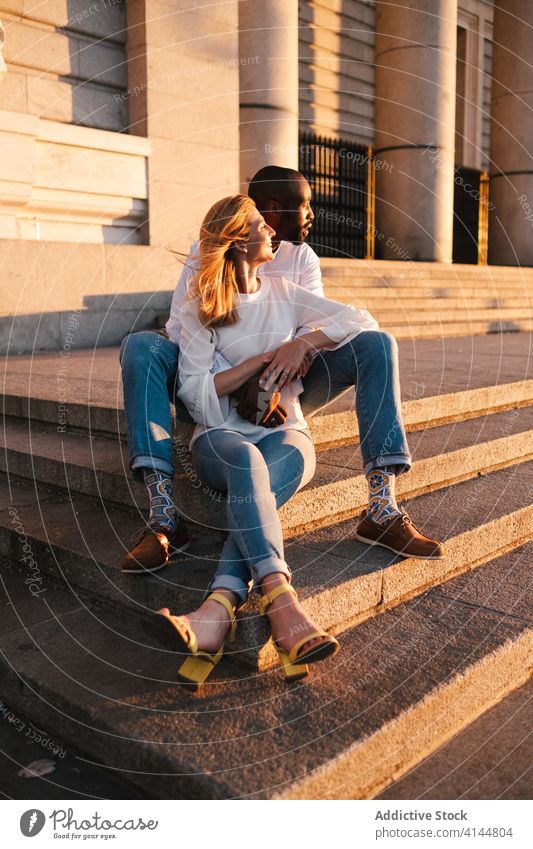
(195, 670)
(294, 663)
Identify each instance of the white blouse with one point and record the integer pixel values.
(268, 318)
(298, 263)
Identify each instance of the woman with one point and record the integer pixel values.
(252, 321)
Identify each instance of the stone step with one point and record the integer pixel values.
(98, 467)
(489, 759)
(338, 427)
(427, 279)
(444, 314)
(403, 684)
(335, 428)
(427, 282)
(84, 390)
(340, 581)
(409, 287)
(435, 330)
(390, 269)
(417, 300)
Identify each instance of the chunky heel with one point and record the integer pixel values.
(294, 663)
(291, 671)
(196, 669)
(198, 666)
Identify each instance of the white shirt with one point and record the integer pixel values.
(298, 263)
(267, 319)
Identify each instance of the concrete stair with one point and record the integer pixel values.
(490, 759)
(427, 646)
(432, 300)
(98, 467)
(406, 682)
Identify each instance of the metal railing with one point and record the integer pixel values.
(341, 175)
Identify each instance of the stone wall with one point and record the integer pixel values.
(73, 184)
(81, 296)
(337, 72)
(336, 68)
(66, 61)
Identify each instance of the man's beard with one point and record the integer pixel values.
(299, 235)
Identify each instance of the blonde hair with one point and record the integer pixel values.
(215, 284)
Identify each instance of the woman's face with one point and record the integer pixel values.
(259, 243)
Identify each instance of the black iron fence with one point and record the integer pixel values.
(341, 175)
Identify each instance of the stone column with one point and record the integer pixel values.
(268, 52)
(415, 62)
(183, 83)
(511, 143)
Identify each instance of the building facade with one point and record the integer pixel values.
(121, 122)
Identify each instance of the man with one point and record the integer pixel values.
(369, 362)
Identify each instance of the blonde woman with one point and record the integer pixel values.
(252, 321)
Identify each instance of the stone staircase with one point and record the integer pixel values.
(427, 646)
(434, 300)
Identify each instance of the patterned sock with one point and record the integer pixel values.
(163, 513)
(381, 495)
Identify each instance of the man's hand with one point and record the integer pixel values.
(247, 406)
(306, 365)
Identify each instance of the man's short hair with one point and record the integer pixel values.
(273, 183)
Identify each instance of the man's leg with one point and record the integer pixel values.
(149, 367)
(370, 363)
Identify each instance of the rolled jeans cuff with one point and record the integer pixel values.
(268, 567)
(402, 460)
(231, 583)
(148, 461)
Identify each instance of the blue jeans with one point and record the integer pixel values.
(149, 364)
(257, 480)
(369, 362)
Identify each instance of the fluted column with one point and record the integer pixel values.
(415, 61)
(268, 80)
(511, 144)
(183, 80)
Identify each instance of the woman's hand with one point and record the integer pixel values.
(285, 365)
(233, 378)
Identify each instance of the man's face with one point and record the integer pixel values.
(293, 219)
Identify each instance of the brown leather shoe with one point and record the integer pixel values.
(399, 534)
(154, 548)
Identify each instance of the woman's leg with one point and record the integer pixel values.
(226, 461)
(288, 621)
(229, 462)
(258, 480)
(291, 464)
